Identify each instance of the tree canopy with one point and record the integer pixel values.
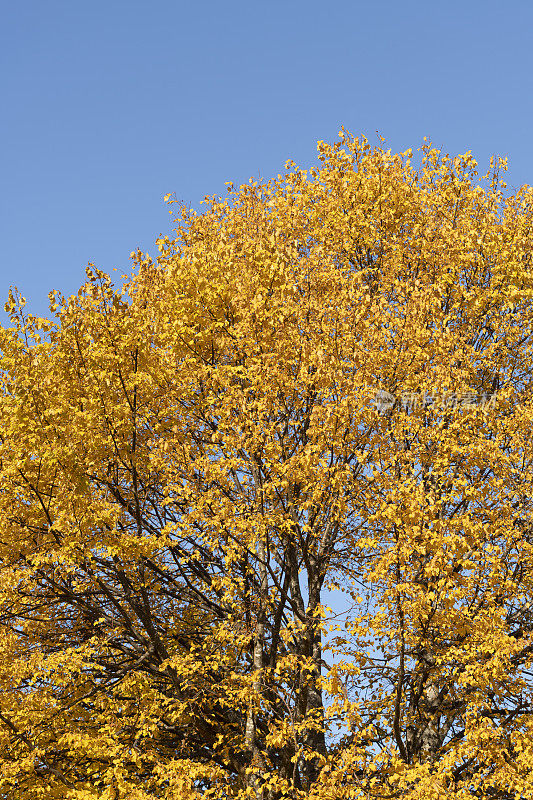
(320, 388)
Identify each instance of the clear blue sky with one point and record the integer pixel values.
(107, 106)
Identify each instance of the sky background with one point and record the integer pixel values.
(107, 106)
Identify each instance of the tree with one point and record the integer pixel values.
(322, 382)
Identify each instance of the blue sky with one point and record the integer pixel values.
(110, 105)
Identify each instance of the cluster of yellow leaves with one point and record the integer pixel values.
(188, 461)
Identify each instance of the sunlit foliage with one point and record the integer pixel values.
(188, 463)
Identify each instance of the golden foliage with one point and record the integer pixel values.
(190, 461)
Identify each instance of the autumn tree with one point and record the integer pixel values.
(323, 382)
